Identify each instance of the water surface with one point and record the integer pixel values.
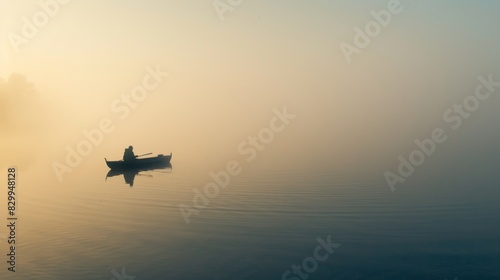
(258, 227)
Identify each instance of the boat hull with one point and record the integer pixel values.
(151, 162)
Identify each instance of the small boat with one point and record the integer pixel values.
(150, 162)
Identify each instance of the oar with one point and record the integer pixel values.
(144, 155)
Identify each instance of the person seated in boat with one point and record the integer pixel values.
(129, 155)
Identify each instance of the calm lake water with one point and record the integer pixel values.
(258, 227)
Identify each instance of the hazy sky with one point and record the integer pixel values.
(226, 76)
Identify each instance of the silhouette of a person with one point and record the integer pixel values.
(129, 155)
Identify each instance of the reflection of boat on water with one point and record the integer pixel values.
(141, 163)
(130, 173)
